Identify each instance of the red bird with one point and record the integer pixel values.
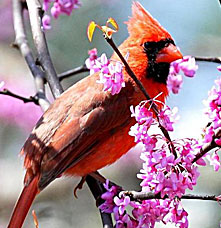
(86, 128)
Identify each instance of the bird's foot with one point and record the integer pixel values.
(79, 186)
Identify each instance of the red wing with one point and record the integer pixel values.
(70, 129)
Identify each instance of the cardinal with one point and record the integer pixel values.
(86, 128)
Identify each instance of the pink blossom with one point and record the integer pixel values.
(90, 62)
(163, 173)
(213, 111)
(46, 4)
(174, 83)
(108, 196)
(121, 203)
(218, 142)
(124, 220)
(95, 64)
(177, 215)
(111, 75)
(55, 10)
(139, 132)
(144, 118)
(209, 133)
(149, 212)
(64, 6)
(167, 117)
(67, 6)
(214, 160)
(58, 7)
(112, 78)
(146, 213)
(187, 65)
(142, 114)
(46, 22)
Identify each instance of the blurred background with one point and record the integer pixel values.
(196, 27)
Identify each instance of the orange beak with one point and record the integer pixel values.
(168, 54)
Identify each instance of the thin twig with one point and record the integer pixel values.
(35, 15)
(208, 59)
(134, 196)
(207, 147)
(77, 70)
(32, 99)
(22, 43)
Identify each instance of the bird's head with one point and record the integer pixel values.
(151, 48)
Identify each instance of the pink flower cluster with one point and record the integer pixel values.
(108, 196)
(144, 118)
(111, 74)
(58, 7)
(163, 172)
(167, 211)
(175, 79)
(90, 62)
(145, 213)
(213, 111)
(167, 172)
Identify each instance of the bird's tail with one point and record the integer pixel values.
(24, 203)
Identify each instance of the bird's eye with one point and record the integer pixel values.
(154, 47)
(150, 46)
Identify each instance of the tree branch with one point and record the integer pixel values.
(209, 146)
(77, 70)
(136, 196)
(208, 59)
(33, 99)
(22, 43)
(35, 15)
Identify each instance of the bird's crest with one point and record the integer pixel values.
(143, 26)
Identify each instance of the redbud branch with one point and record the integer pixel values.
(208, 59)
(134, 196)
(35, 15)
(209, 146)
(77, 70)
(141, 87)
(33, 99)
(22, 43)
(97, 190)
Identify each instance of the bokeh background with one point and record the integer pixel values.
(196, 27)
